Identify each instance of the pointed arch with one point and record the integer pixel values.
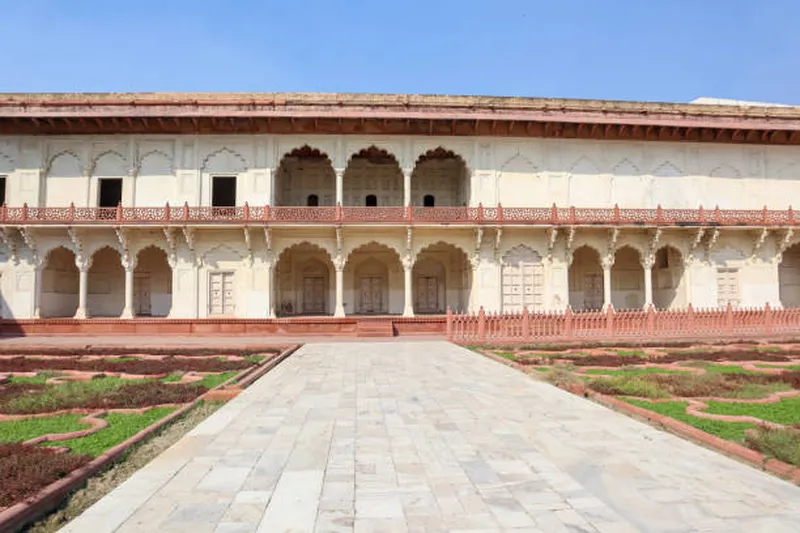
(442, 174)
(789, 277)
(109, 163)
(106, 283)
(303, 280)
(283, 251)
(152, 282)
(58, 289)
(303, 172)
(669, 284)
(725, 171)
(584, 165)
(373, 174)
(518, 162)
(586, 284)
(222, 250)
(667, 170)
(65, 163)
(155, 163)
(224, 161)
(625, 168)
(373, 244)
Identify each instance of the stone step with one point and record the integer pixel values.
(375, 328)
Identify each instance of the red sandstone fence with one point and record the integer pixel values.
(247, 214)
(636, 325)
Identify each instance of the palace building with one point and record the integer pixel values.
(263, 206)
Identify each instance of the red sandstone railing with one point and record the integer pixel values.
(638, 325)
(247, 214)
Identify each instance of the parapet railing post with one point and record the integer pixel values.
(338, 211)
(481, 326)
(185, 215)
(659, 215)
(25, 212)
(119, 212)
(768, 317)
(568, 326)
(764, 215)
(71, 213)
(246, 212)
(554, 214)
(791, 215)
(610, 321)
(166, 211)
(409, 213)
(572, 214)
(651, 320)
(729, 318)
(717, 215)
(449, 324)
(266, 213)
(499, 212)
(480, 212)
(616, 214)
(526, 324)
(689, 319)
(701, 215)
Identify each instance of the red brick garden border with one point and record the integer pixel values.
(18, 515)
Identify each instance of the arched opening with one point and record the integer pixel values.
(59, 284)
(627, 279)
(669, 287)
(374, 281)
(152, 283)
(441, 174)
(303, 281)
(441, 279)
(429, 201)
(312, 200)
(373, 173)
(523, 280)
(789, 277)
(302, 173)
(585, 280)
(106, 288)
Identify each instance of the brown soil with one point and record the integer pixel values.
(143, 366)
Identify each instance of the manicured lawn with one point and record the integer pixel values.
(506, 355)
(122, 426)
(39, 378)
(733, 431)
(786, 411)
(727, 369)
(22, 430)
(780, 367)
(213, 380)
(630, 353)
(634, 371)
(756, 390)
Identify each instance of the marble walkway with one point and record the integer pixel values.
(429, 437)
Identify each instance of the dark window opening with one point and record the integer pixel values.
(2, 190)
(223, 196)
(312, 201)
(371, 200)
(110, 192)
(662, 258)
(428, 200)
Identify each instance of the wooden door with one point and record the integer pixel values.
(427, 294)
(141, 294)
(592, 291)
(371, 295)
(727, 287)
(314, 295)
(221, 294)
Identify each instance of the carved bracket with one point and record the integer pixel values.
(711, 241)
(758, 242)
(409, 245)
(124, 244)
(77, 245)
(268, 239)
(476, 255)
(497, 239)
(568, 242)
(172, 246)
(697, 238)
(30, 242)
(339, 240)
(652, 248)
(339, 262)
(248, 244)
(552, 236)
(613, 240)
(191, 240)
(8, 239)
(783, 243)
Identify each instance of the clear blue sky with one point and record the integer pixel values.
(662, 50)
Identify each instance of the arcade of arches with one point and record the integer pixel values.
(373, 177)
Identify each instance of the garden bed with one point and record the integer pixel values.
(64, 418)
(741, 399)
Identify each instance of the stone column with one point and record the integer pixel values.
(338, 265)
(37, 290)
(127, 311)
(270, 295)
(408, 268)
(607, 263)
(340, 187)
(83, 288)
(407, 186)
(647, 266)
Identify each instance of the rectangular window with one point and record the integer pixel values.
(110, 194)
(727, 287)
(2, 190)
(223, 192)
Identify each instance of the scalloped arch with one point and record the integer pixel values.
(157, 245)
(94, 251)
(47, 252)
(308, 151)
(725, 171)
(234, 161)
(109, 163)
(397, 252)
(640, 252)
(64, 153)
(670, 246)
(222, 247)
(374, 154)
(667, 170)
(156, 154)
(440, 152)
(521, 249)
(522, 161)
(280, 253)
(591, 247)
(424, 248)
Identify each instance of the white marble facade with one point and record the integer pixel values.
(60, 271)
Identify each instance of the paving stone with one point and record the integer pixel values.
(422, 438)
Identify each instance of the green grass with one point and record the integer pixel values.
(727, 369)
(695, 351)
(22, 430)
(542, 368)
(630, 353)
(506, 355)
(633, 371)
(54, 396)
(254, 359)
(779, 367)
(786, 411)
(733, 431)
(39, 379)
(213, 380)
(122, 426)
(769, 349)
(782, 444)
(173, 377)
(756, 390)
(629, 386)
(123, 359)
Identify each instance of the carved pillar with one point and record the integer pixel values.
(407, 186)
(83, 288)
(37, 290)
(647, 265)
(127, 311)
(408, 267)
(340, 188)
(270, 267)
(338, 265)
(607, 263)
